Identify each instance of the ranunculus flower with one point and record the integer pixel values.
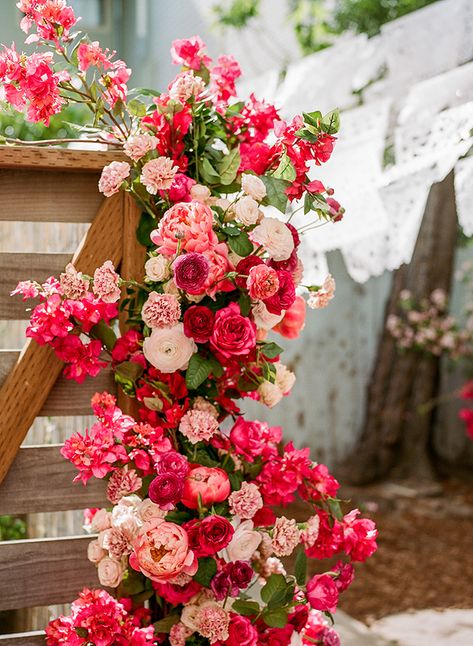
(215, 533)
(233, 334)
(275, 238)
(211, 484)
(241, 632)
(244, 543)
(263, 282)
(284, 297)
(191, 271)
(166, 490)
(161, 551)
(322, 593)
(169, 349)
(294, 320)
(199, 323)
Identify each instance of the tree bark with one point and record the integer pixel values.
(396, 438)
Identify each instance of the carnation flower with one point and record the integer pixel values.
(247, 211)
(253, 186)
(107, 283)
(169, 349)
(285, 378)
(116, 542)
(198, 426)
(310, 534)
(136, 147)
(161, 310)
(157, 269)
(158, 174)
(212, 622)
(73, 284)
(191, 271)
(121, 483)
(178, 634)
(322, 297)
(186, 85)
(275, 238)
(203, 404)
(246, 501)
(285, 536)
(112, 177)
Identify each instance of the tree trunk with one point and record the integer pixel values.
(396, 436)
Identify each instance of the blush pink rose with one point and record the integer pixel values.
(211, 484)
(262, 282)
(161, 551)
(294, 320)
(233, 334)
(189, 224)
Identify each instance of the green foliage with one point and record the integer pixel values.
(237, 14)
(61, 126)
(12, 528)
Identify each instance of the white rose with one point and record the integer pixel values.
(94, 552)
(296, 639)
(275, 237)
(200, 193)
(100, 521)
(110, 572)
(148, 510)
(246, 210)
(189, 616)
(264, 320)
(244, 543)
(285, 378)
(169, 349)
(171, 288)
(253, 186)
(269, 394)
(157, 268)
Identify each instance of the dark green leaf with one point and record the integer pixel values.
(245, 304)
(241, 244)
(236, 479)
(269, 372)
(216, 366)
(312, 118)
(198, 371)
(275, 618)
(335, 508)
(300, 566)
(276, 585)
(165, 625)
(209, 173)
(228, 167)
(275, 195)
(145, 227)
(206, 572)
(231, 230)
(246, 608)
(105, 333)
(129, 370)
(271, 350)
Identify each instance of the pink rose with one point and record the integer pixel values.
(233, 334)
(285, 296)
(262, 282)
(180, 188)
(211, 484)
(294, 320)
(322, 593)
(161, 551)
(241, 632)
(188, 224)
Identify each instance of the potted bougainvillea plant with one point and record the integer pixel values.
(190, 547)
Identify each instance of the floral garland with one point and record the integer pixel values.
(191, 542)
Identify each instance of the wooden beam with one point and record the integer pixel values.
(43, 572)
(41, 480)
(40, 157)
(35, 638)
(28, 385)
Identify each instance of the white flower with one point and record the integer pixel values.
(246, 210)
(169, 349)
(253, 186)
(157, 268)
(285, 378)
(110, 572)
(95, 553)
(200, 193)
(269, 394)
(264, 320)
(275, 237)
(147, 510)
(244, 543)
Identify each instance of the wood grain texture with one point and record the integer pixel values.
(35, 638)
(39, 157)
(52, 196)
(44, 572)
(25, 266)
(67, 396)
(41, 479)
(25, 390)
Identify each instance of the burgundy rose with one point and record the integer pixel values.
(193, 536)
(284, 297)
(191, 271)
(198, 323)
(166, 490)
(243, 269)
(233, 334)
(221, 585)
(215, 533)
(299, 618)
(173, 462)
(241, 573)
(287, 265)
(322, 593)
(346, 574)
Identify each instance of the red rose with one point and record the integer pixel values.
(243, 269)
(215, 533)
(233, 334)
(241, 632)
(177, 594)
(198, 323)
(284, 297)
(322, 593)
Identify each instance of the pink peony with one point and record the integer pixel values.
(262, 282)
(233, 334)
(178, 634)
(161, 310)
(246, 501)
(208, 484)
(107, 283)
(186, 225)
(161, 551)
(158, 174)
(112, 177)
(138, 146)
(198, 426)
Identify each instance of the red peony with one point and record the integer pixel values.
(208, 484)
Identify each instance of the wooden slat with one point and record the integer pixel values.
(43, 572)
(35, 638)
(52, 196)
(67, 396)
(27, 387)
(26, 266)
(38, 157)
(41, 479)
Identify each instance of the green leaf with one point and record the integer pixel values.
(206, 572)
(308, 203)
(137, 108)
(271, 350)
(231, 230)
(236, 479)
(335, 508)
(286, 169)
(275, 618)
(209, 173)
(245, 304)
(300, 566)
(241, 244)
(198, 371)
(269, 372)
(144, 91)
(105, 333)
(275, 195)
(228, 167)
(276, 585)
(216, 366)
(132, 583)
(165, 625)
(146, 225)
(129, 371)
(307, 135)
(312, 118)
(331, 122)
(246, 608)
